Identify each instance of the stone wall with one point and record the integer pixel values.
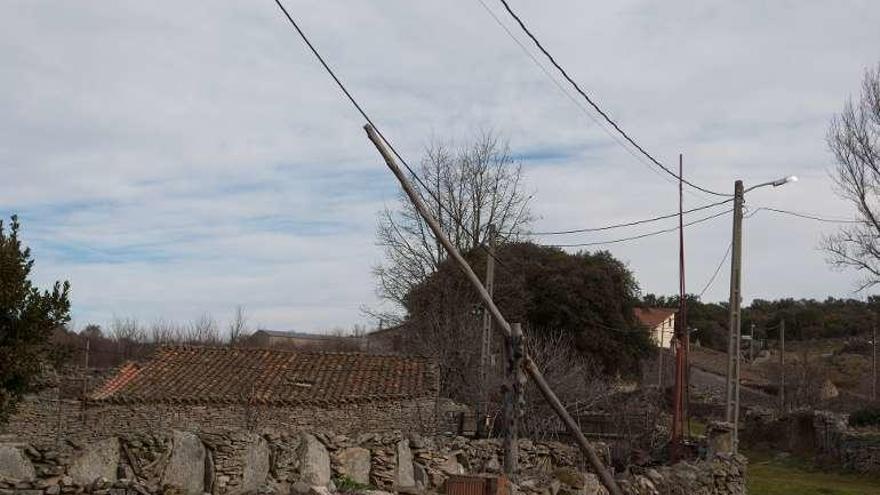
(300, 463)
(823, 434)
(44, 417)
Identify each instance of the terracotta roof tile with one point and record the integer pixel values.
(651, 317)
(201, 375)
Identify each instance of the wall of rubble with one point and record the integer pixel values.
(299, 463)
(44, 417)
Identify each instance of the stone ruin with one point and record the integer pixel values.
(232, 463)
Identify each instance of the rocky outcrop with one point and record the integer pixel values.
(314, 462)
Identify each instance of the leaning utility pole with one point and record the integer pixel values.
(486, 338)
(733, 341)
(782, 366)
(501, 323)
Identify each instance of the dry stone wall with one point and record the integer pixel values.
(299, 463)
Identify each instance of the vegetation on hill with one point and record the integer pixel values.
(27, 319)
(805, 319)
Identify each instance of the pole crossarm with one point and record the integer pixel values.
(501, 323)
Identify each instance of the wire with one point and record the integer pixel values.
(379, 132)
(568, 95)
(642, 236)
(628, 224)
(599, 110)
(803, 215)
(717, 269)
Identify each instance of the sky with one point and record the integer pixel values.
(176, 159)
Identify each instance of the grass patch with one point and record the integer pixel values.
(793, 476)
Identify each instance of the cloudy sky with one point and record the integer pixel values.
(179, 158)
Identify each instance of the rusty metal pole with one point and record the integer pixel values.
(502, 325)
(486, 338)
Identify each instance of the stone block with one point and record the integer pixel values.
(256, 465)
(97, 460)
(314, 462)
(186, 468)
(354, 462)
(404, 476)
(14, 464)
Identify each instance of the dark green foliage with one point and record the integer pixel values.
(27, 319)
(867, 416)
(344, 484)
(590, 296)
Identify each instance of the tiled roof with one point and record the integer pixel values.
(651, 317)
(223, 375)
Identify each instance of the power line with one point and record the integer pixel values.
(628, 224)
(807, 216)
(598, 109)
(580, 106)
(717, 269)
(642, 236)
(378, 131)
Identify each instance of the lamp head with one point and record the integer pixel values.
(785, 180)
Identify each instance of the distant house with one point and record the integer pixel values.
(248, 389)
(301, 340)
(661, 323)
(393, 339)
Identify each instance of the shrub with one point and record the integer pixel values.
(867, 416)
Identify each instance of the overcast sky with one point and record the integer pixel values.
(179, 158)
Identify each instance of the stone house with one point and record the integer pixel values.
(244, 389)
(302, 340)
(660, 322)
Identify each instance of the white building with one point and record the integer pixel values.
(661, 322)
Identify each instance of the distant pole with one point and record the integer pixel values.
(782, 365)
(874, 360)
(680, 331)
(486, 339)
(513, 398)
(86, 366)
(752, 342)
(660, 362)
(733, 339)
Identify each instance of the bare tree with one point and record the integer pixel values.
(854, 138)
(466, 189)
(237, 327)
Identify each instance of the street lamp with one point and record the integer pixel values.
(735, 321)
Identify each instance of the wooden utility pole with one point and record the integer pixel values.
(501, 323)
(782, 365)
(678, 399)
(734, 321)
(486, 337)
(751, 342)
(513, 401)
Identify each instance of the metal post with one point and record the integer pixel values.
(782, 365)
(513, 401)
(501, 323)
(734, 322)
(486, 338)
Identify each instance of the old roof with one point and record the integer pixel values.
(296, 335)
(652, 317)
(224, 375)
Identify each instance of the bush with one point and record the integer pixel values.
(867, 416)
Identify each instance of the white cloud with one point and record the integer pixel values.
(174, 159)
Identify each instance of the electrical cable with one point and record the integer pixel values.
(568, 95)
(628, 224)
(598, 109)
(378, 131)
(642, 236)
(717, 269)
(807, 216)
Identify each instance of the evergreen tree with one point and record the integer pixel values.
(27, 318)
